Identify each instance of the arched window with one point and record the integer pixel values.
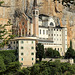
(51, 24)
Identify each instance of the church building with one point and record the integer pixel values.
(39, 28)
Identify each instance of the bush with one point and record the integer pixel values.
(50, 53)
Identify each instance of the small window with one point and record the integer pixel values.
(17, 42)
(57, 29)
(16, 47)
(54, 34)
(51, 24)
(22, 42)
(51, 34)
(21, 47)
(14, 42)
(33, 12)
(57, 34)
(61, 49)
(22, 23)
(58, 49)
(32, 58)
(55, 48)
(43, 31)
(32, 47)
(21, 59)
(21, 53)
(32, 63)
(46, 31)
(11, 42)
(54, 29)
(36, 12)
(40, 31)
(32, 53)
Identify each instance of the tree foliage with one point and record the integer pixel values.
(1, 2)
(70, 52)
(52, 53)
(2, 65)
(40, 51)
(4, 34)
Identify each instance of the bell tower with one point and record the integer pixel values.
(35, 18)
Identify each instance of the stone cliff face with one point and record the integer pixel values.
(66, 13)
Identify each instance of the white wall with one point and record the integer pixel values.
(43, 35)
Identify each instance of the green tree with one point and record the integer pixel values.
(9, 58)
(12, 67)
(50, 53)
(1, 2)
(2, 65)
(4, 32)
(40, 51)
(70, 53)
(70, 44)
(35, 70)
(23, 71)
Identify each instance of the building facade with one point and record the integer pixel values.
(42, 28)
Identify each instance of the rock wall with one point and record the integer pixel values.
(53, 8)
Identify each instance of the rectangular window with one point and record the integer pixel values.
(11, 42)
(21, 53)
(58, 49)
(61, 49)
(55, 48)
(32, 48)
(14, 42)
(46, 31)
(21, 59)
(43, 31)
(32, 53)
(21, 47)
(34, 12)
(51, 34)
(22, 42)
(16, 47)
(17, 42)
(40, 31)
(32, 58)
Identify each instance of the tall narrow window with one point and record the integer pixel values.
(21, 59)
(43, 31)
(46, 31)
(21, 53)
(32, 47)
(32, 58)
(40, 31)
(22, 42)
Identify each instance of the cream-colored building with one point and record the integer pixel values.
(26, 49)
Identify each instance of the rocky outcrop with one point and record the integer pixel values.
(66, 13)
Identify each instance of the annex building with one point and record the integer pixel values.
(39, 28)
